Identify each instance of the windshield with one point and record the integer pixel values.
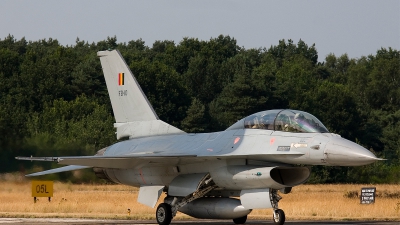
(282, 120)
(298, 122)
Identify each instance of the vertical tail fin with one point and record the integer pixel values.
(134, 115)
(127, 98)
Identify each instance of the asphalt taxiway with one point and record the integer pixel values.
(64, 221)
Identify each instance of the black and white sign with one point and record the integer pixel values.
(367, 195)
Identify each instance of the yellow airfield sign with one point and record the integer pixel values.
(42, 188)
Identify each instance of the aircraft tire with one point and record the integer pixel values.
(164, 214)
(280, 219)
(240, 220)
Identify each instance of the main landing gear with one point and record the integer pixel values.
(279, 214)
(164, 214)
(240, 220)
(167, 210)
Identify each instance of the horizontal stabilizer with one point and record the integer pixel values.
(57, 170)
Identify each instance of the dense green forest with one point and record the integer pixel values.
(54, 101)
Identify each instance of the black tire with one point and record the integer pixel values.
(164, 214)
(240, 220)
(280, 220)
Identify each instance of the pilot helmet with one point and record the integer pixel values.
(299, 116)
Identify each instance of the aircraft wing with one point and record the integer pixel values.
(138, 160)
(116, 162)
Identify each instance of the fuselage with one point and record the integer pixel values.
(254, 148)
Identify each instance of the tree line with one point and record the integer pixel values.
(54, 101)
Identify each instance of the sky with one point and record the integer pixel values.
(357, 28)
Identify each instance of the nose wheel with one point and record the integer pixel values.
(279, 217)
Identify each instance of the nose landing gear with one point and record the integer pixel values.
(279, 217)
(279, 214)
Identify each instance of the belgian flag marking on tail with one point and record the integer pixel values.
(121, 79)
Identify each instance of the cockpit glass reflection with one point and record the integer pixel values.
(285, 120)
(261, 120)
(298, 122)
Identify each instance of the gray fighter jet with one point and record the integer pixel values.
(221, 175)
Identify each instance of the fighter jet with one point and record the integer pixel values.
(220, 175)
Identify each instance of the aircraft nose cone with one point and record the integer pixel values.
(342, 152)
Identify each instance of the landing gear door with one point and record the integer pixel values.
(255, 199)
(185, 184)
(148, 195)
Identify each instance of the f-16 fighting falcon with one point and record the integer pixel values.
(221, 175)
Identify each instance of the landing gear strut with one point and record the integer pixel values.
(278, 215)
(167, 210)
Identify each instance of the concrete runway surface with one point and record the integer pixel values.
(63, 221)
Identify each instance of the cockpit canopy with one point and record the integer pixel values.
(282, 120)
